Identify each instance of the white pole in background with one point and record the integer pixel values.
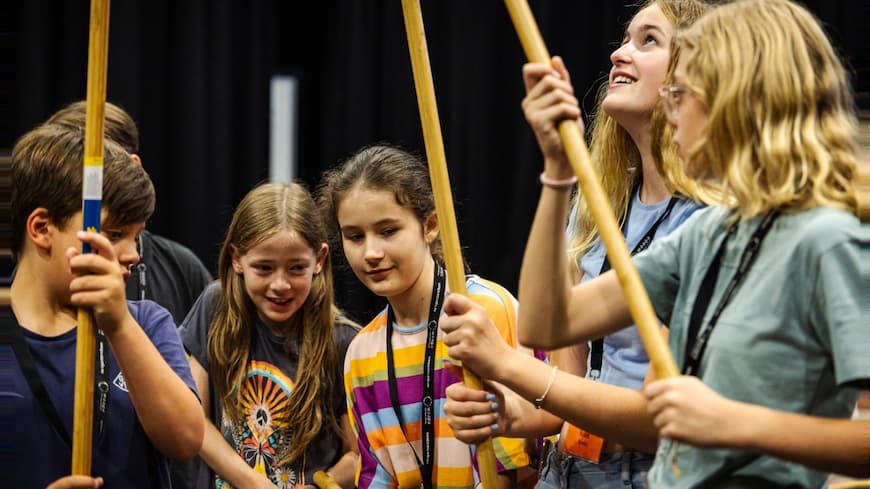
(282, 129)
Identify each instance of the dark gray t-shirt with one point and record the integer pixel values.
(265, 392)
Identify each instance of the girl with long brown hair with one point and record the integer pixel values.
(268, 342)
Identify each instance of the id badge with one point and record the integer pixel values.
(581, 443)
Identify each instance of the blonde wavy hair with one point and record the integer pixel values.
(266, 210)
(617, 159)
(782, 129)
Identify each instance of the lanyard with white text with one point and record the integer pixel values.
(696, 342)
(428, 421)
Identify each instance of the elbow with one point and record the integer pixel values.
(186, 439)
(542, 328)
(536, 339)
(186, 447)
(536, 342)
(533, 333)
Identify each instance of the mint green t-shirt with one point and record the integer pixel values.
(795, 336)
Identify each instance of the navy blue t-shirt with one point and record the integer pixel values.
(35, 455)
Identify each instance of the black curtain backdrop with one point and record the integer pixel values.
(195, 76)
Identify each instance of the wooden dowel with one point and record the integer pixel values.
(642, 312)
(850, 485)
(5, 297)
(324, 481)
(83, 408)
(443, 196)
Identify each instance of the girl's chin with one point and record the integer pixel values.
(626, 114)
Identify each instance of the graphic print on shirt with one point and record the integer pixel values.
(265, 397)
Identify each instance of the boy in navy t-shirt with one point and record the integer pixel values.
(151, 409)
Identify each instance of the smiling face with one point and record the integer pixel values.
(385, 243)
(277, 274)
(639, 68)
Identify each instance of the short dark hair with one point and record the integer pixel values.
(47, 172)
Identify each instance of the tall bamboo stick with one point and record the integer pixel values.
(92, 192)
(441, 188)
(638, 301)
(324, 481)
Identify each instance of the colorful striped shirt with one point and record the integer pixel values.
(387, 458)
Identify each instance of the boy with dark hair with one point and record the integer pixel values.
(150, 410)
(168, 273)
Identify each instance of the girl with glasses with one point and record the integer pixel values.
(765, 295)
(647, 191)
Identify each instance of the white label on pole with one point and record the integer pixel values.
(282, 131)
(92, 188)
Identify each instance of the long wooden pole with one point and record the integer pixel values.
(324, 481)
(443, 196)
(92, 191)
(5, 297)
(638, 301)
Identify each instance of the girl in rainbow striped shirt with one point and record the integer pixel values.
(380, 207)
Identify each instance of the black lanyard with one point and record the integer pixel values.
(102, 382)
(428, 442)
(141, 268)
(696, 341)
(10, 333)
(596, 357)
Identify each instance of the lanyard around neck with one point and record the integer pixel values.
(11, 333)
(596, 355)
(647, 238)
(428, 442)
(698, 336)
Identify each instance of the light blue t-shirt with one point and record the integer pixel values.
(625, 361)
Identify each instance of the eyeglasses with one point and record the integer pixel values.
(671, 97)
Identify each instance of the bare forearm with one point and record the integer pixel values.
(344, 471)
(173, 420)
(221, 457)
(552, 313)
(545, 285)
(608, 411)
(527, 422)
(841, 446)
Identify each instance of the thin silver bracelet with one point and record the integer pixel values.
(539, 402)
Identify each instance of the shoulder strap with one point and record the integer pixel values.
(11, 334)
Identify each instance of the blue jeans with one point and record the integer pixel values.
(615, 471)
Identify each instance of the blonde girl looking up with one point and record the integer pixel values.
(765, 295)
